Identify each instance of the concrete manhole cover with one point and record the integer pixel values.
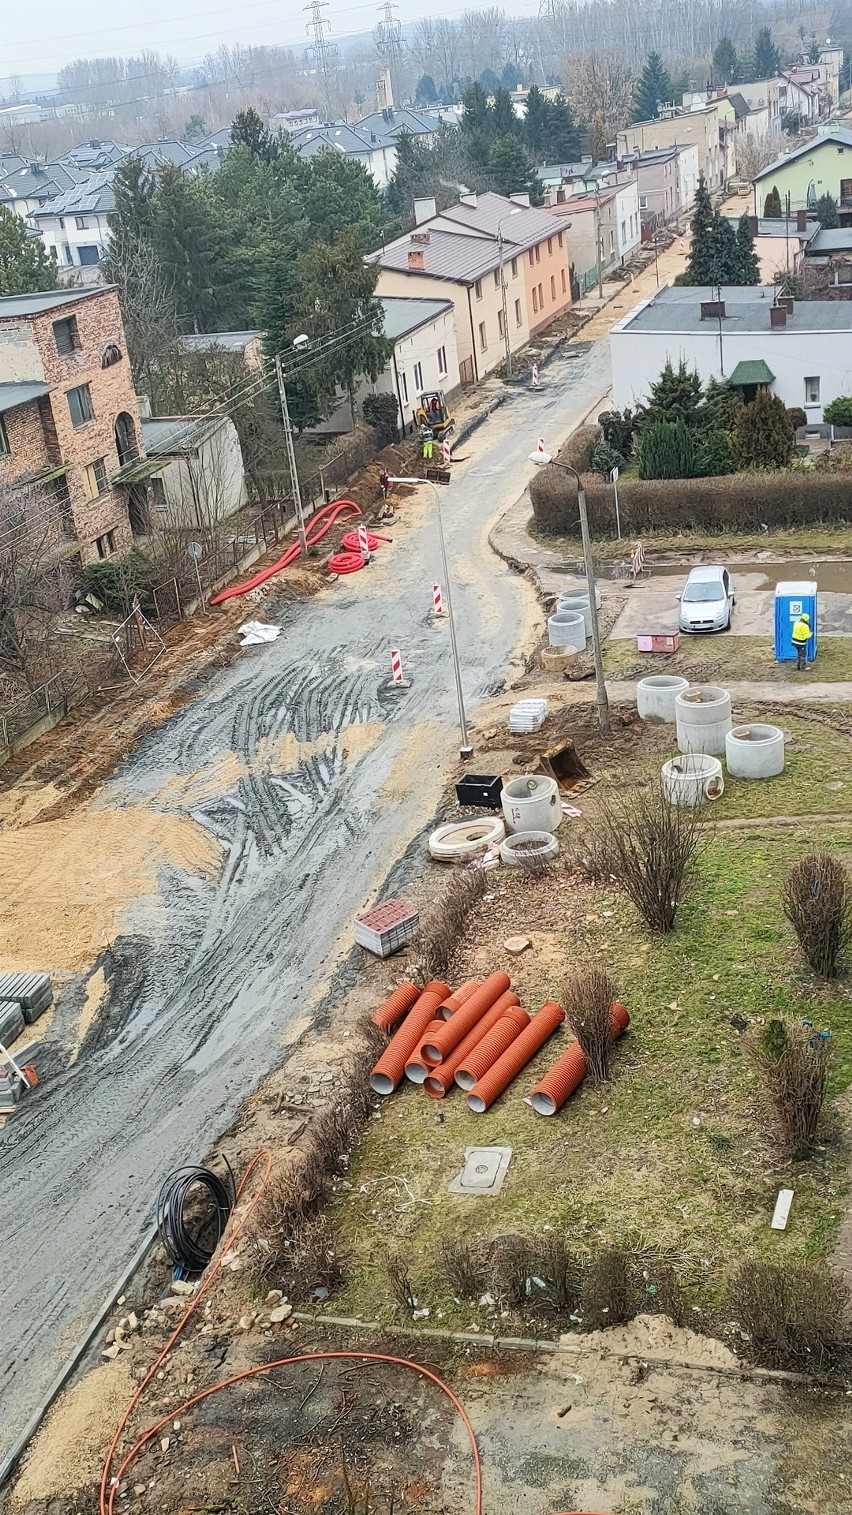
(484, 1171)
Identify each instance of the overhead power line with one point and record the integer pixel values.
(323, 52)
(389, 42)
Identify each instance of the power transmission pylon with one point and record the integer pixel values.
(389, 43)
(324, 53)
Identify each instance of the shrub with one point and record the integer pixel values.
(796, 417)
(793, 1062)
(463, 1267)
(838, 412)
(721, 405)
(763, 436)
(116, 582)
(381, 412)
(742, 502)
(795, 1316)
(648, 845)
(561, 1272)
(617, 427)
(553, 491)
(715, 456)
(442, 926)
(609, 1296)
(399, 1279)
(587, 999)
(675, 396)
(604, 459)
(817, 905)
(667, 451)
(772, 205)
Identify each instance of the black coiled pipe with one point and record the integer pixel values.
(193, 1207)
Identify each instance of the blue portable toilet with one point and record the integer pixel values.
(792, 599)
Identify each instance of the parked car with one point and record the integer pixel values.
(707, 600)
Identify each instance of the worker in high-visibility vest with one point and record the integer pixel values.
(801, 636)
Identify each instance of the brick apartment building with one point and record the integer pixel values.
(69, 420)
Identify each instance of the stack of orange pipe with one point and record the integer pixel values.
(500, 1073)
(570, 1069)
(457, 1027)
(511, 1024)
(396, 1006)
(440, 1079)
(419, 1064)
(391, 1065)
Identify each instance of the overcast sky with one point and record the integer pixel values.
(39, 38)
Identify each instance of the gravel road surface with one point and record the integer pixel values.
(203, 1006)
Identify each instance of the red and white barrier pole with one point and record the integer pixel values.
(363, 543)
(437, 601)
(396, 680)
(446, 453)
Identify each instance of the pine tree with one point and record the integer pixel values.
(335, 292)
(826, 212)
(720, 407)
(653, 88)
(772, 204)
(196, 252)
(536, 122)
(510, 171)
(701, 268)
(748, 263)
(725, 62)
(562, 139)
(763, 436)
(249, 131)
(504, 122)
(426, 92)
(25, 267)
(667, 451)
(767, 59)
(675, 395)
(490, 81)
(715, 456)
(474, 117)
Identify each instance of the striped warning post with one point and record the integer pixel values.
(396, 680)
(637, 559)
(437, 600)
(446, 453)
(363, 542)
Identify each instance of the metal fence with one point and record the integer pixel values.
(17, 719)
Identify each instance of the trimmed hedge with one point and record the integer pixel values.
(735, 502)
(550, 488)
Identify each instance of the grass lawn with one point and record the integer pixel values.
(673, 1154)
(793, 541)
(712, 659)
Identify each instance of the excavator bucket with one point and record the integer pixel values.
(563, 764)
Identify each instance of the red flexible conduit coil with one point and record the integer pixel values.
(321, 522)
(570, 1069)
(501, 1072)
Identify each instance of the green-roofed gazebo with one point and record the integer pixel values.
(752, 375)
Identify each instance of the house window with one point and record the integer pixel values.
(501, 330)
(496, 278)
(537, 252)
(553, 286)
(643, 202)
(418, 379)
(843, 274)
(4, 440)
(550, 246)
(532, 257)
(623, 230)
(89, 255)
(403, 386)
(81, 223)
(111, 355)
(96, 478)
(66, 336)
(54, 254)
(442, 363)
(612, 241)
(158, 494)
(518, 317)
(812, 390)
(535, 300)
(105, 545)
(477, 289)
(514, 268)
(564, 285)
(560, 239)
(541, 297)
(80, 405)
(483, 340)
(67, 251)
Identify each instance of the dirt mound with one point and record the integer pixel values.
(655, 1336)
(68, 1452)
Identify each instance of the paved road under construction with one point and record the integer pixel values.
(205, 1006)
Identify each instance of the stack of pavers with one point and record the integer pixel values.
(23, 998)
(527, 715)
(387, 927)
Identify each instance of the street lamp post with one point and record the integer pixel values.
(291, 455)
(466, 749)
(541, 457)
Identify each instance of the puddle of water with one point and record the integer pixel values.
(834, 577)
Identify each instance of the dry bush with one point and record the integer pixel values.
(648, 846)
(665, 1296)
(533, 860)
(587, 999)
(442, 927)
(793, 1060)
(609, 1295)
(462, 1267)
(511, 1267)
(399, 1278)
(562, 1272)
(796, 1316)
(817, 905)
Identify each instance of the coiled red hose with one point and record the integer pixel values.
(321, 522)
(346, 562)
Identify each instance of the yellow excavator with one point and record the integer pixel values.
(434, 412)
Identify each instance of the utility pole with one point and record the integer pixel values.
(599, 241)
(291, 456)
(324, 53)
(389, 43)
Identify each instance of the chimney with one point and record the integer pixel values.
(94, 142)
(712, 310)
(521, 198)
(424, 210)
(801, 220)
(777, 317)
(788, 303)
(468, 199)
(420, 238)
(417, 260)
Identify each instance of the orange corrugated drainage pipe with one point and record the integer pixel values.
(507, 1067)
(458, 998)
(439, 1080)
(396, 1006)
(391, 1065)
(512, 1022)
(570, 1069)
(418, 1065)
(458, 1026)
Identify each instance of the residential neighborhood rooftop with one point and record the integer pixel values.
(404, 315)
(838, 135)
(12, 395)
(836, 239)
(228, 341)
(785, 226)
(678, 309)
(94, 197)
(17, 307)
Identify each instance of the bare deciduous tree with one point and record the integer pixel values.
(34, 585)
(600, 83)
